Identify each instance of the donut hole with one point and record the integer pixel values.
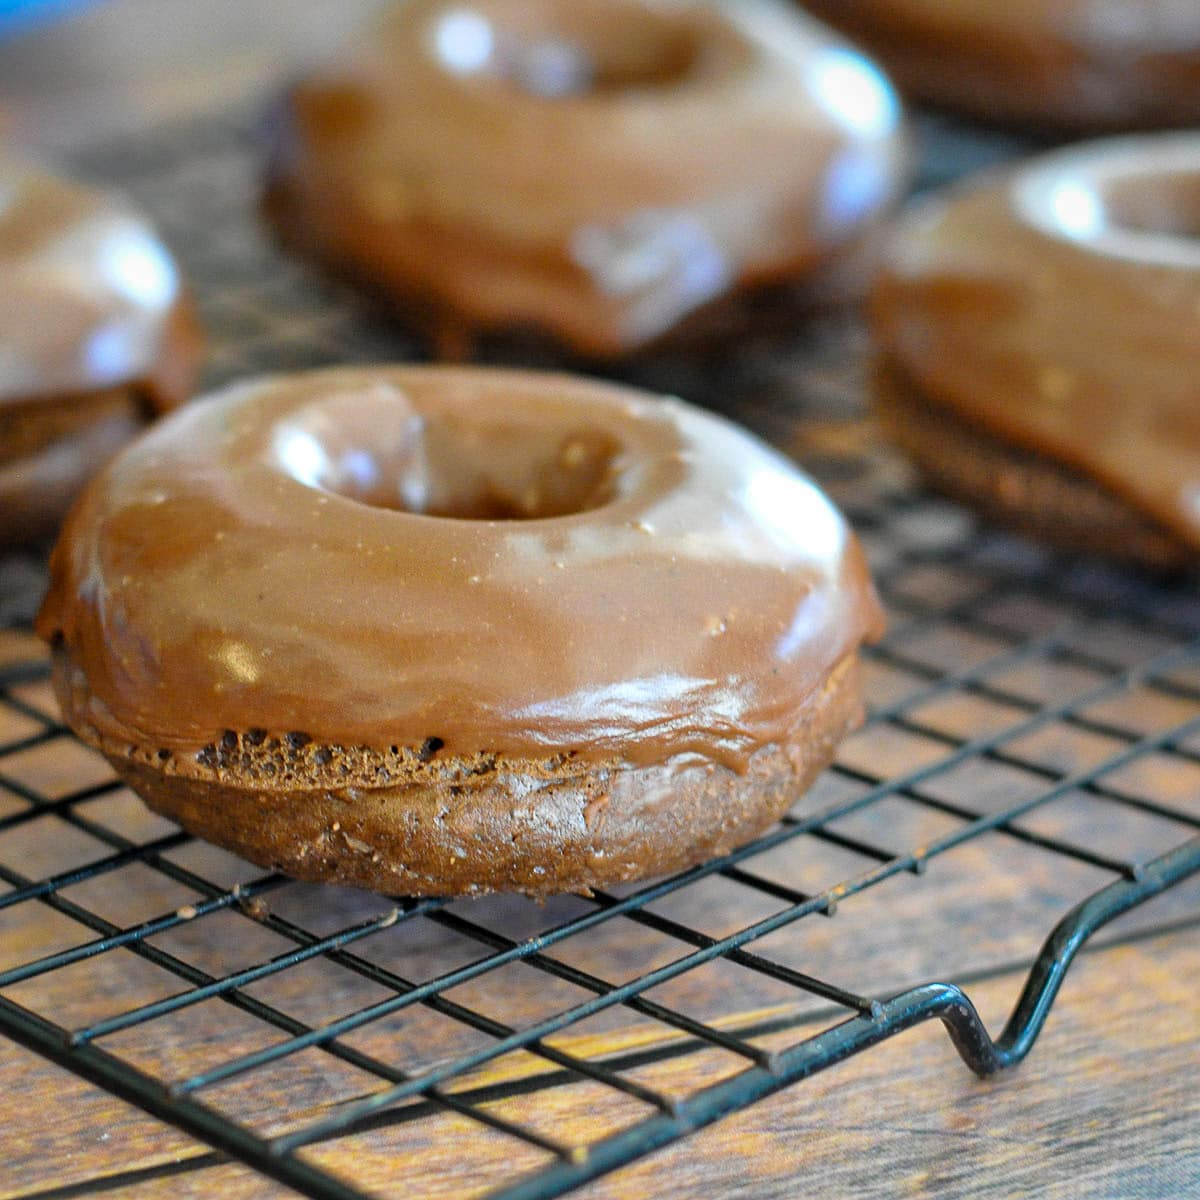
(1135, 199)
(1157, 204)
(382, 454)
(552, 49)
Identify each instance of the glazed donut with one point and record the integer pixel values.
(595, 171)
(1069, 64)
(95, 334)
(1039, 345)
(441, 630)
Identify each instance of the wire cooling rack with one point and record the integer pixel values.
(1030, 771)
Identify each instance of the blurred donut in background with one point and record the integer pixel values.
(601, 172)
(1082, 65)
(96, 336)
(1038, 335)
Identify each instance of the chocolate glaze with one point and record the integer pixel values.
(1075, 64)
(1057, 306)
(90, 298)
(596, 169)
(470, 559)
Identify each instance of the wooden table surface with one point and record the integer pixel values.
(1106, 1106)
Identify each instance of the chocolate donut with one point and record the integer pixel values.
(1070, 64)
(596, 171)
(1039, 343)
(441, 630)
(95, 335)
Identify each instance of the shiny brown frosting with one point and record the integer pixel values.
(519, 563)
(90, 299)
(597, 169)
(1076, 64)
(1058, 305)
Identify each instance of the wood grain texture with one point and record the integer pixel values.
(1131, 1040)
(1105, 1107)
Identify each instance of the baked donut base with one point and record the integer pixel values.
(49, 448)
(758, 307)
(1016, 487)
(419, 822)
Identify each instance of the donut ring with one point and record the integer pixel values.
(431, 630)
(1081, 65)
(96, 335)
(592, 170)
(1039, 340)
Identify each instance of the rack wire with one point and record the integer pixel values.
(1034, 719)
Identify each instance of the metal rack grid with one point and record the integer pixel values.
(1032, 716)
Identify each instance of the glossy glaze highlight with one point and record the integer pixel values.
(89, 294)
